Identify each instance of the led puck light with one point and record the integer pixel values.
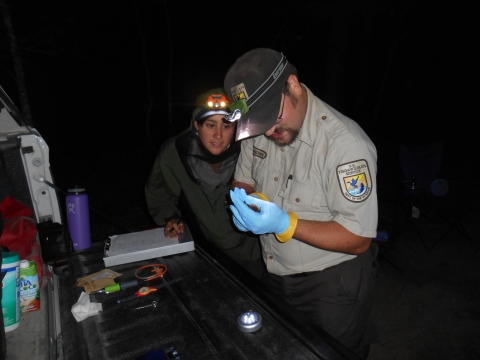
(249, 321)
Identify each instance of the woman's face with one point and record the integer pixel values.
(215, 134)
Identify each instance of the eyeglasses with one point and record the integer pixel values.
(281, 112)
(285, 94)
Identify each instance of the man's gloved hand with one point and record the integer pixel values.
(270, 218)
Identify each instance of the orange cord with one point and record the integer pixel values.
(158, 269)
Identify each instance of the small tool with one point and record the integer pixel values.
(117, 287)
(143, 291)
(153, 304)
(180, 223)
(158, 271)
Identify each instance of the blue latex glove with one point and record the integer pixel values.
(239, 224)
(270, 219)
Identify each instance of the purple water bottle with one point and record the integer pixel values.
(78, 218)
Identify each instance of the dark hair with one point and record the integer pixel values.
(295, 72)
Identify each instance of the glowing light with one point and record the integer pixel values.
(249, 318)
(236, 115)
(249, 321)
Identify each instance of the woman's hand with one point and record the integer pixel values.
(173, 228)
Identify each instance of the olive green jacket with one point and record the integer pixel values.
(168, 178)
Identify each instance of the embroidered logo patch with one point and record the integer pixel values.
(260, 153)
(355, 180)
(239, 92)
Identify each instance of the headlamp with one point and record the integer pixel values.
(217, 101)
(237, 108)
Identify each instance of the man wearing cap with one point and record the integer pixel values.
(310, 175)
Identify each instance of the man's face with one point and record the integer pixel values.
(288, 124)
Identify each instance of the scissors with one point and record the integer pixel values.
(158, 270)
(145, 290)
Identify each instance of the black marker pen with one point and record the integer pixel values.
(290, 177)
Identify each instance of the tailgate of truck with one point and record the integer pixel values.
(196, 315)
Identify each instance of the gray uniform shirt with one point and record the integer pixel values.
(328, 173)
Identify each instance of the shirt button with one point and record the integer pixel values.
(270, 257)
(297, 200)
(275, 178)
(324, 117)
(282, 149)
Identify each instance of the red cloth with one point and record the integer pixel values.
(19, 234)
(20, 227)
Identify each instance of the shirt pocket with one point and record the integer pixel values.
(300, 197)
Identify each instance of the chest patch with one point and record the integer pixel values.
(260, 153)
(355, 180)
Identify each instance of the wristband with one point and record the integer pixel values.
(259, 195)
(288, 234)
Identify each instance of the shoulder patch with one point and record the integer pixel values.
(260, 153)
(355, 180)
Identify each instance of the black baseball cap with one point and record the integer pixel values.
(257, 77)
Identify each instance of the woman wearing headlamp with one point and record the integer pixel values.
(200, 163)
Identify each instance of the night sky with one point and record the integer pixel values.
(96, 71)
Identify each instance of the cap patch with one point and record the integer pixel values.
(239, 92)
(355, 180)
(260, 153)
